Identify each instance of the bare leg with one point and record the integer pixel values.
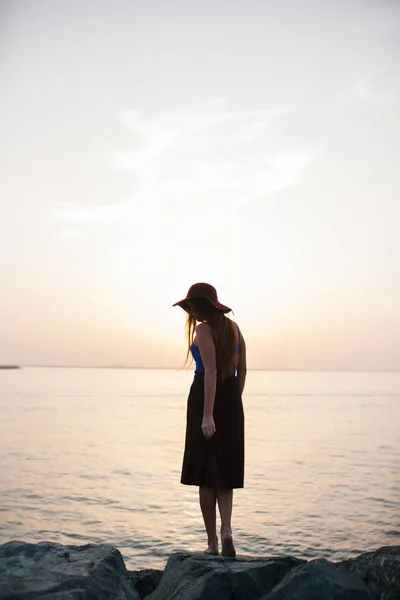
(208, 499)
(225, 501)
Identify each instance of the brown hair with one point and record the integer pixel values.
(224, 332)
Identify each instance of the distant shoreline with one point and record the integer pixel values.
(9, 367)
(127, 368)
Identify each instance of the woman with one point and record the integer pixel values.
(214, 445)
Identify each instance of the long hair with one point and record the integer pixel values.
(225, 336)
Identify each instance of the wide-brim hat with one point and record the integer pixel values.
(206, 291)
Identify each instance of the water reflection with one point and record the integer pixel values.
(95, 456)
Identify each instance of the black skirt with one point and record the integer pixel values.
(219, 461)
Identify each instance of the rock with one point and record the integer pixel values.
(54, 572)
(49, 571)
(145, 581)
(380, 571)
(320, 580)
(202, 577)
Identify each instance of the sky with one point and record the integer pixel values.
(149, 145)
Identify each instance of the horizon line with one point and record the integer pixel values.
(281, 369)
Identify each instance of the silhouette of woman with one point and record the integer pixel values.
(214, 445)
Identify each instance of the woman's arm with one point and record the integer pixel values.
(242, 365)
(207, 350)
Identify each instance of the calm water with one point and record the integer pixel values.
(94, 455)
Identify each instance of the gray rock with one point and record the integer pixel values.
(202, 577)
(145, 581)
(51, 571)
(380, 571)
(48, 571)
(320, 580)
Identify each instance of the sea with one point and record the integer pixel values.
(91, 455)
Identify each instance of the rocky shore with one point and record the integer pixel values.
(49, 571)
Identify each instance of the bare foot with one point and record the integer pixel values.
(228, 548)
(212, 548)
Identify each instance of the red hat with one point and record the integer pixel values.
(203, 290)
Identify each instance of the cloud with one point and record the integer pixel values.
(207, 159)
(364, 90)
(92, 214)
(72, 233)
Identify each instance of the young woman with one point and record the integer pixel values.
(214, 446)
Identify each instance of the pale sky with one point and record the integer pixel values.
(147, 145)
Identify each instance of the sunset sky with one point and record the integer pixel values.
(148, 145)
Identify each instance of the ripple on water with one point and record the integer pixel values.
(322, 461)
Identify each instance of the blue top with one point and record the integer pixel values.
(195, 350)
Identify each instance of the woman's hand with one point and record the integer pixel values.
(208, 426)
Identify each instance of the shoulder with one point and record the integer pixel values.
(238, 333)
(203, 329)
(204, 333)
(234, 324)
(236, 328)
